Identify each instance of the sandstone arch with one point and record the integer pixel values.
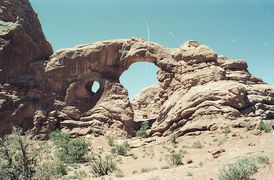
(69, 71)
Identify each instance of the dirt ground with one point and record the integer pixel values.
(149, 160)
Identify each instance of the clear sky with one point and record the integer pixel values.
(239, 29)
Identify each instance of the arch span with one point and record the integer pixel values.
(72, 72)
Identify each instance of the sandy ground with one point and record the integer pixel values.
(151, 160)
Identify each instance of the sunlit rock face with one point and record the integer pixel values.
(22, 47)
(41, 90)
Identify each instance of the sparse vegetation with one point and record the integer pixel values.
(111, 140)
(23, 158)
(175, 159)
(243, 168)
(222, 141)
(142, 132)
(173, 139)
(266, 127)
(227, 130)
(102, 166)
(189, 174)
(19, 157)
(121, 149)
(70, 150)
(197, 145)
(59, 169)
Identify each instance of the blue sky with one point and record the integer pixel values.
(239, 29)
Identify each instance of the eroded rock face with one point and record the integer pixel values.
(146, 105)
(22, 47)
(197, 91)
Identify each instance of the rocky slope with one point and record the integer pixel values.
(198, 90)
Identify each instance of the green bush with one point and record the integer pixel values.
(102, 166)
(243, 168)
(176, 159)
(121, 149)
(142, 132)
(19, 156)
(266, 127)
(70, 150)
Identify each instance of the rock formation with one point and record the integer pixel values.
(198, 90)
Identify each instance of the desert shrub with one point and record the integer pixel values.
(189, 174)
(111, 140)
(59, 169)
(121, 149)
(197, 145)
(142, 132)
(102, 166)
(175, 159)
(243, 168)
(227, 130)
(173, 139)
(19, 156)
(266, 127)
(69, 150)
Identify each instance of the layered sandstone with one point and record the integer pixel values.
(198, 90)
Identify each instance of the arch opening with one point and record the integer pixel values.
(93, 87)
(139, 76)
(143, 88)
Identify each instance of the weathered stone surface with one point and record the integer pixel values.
(21, 39)
(21, 43)
(146, 105)
(197, 91)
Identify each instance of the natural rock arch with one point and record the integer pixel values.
(69, 75)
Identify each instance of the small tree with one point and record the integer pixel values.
(18, 156)
(142, 132)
